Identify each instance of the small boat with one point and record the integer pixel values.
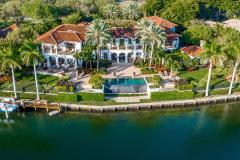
(8, 107)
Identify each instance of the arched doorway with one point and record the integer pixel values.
(130, 57)
(105, 56)
(61, 61)
(52, 61)
(114, 57)
(122, 58)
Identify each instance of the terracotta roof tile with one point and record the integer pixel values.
(65, 32)
(5, 31)
(193, 51)
(123, 32)
(163, 23)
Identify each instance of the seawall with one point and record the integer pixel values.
(153, 105)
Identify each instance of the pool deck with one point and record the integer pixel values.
(153, 105)
(122, 70)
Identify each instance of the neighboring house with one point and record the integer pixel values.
(173, 39)
(4, 32)
(192, 51)
(60, 44)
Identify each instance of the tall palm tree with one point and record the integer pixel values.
(31, 57)
(98, 34)
(10, 60)
(111, 11)
(235, 48)
(212, 53)
(155, 36)
(141, 28)
(132, 11)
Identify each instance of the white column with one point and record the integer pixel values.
(66, 61)
(110, 56)
(43, 51)
(57, 62)
(51, 49)
(134, 55)
(126, 58)
(48, 62)
(118, 58)
(126, 43)
(118, 43)
(76, 64)
(56, 49)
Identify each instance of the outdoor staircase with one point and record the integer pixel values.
(134, 99)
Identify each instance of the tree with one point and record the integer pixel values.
(235, 48)
(73, 18)
(12, 9)
(197, 32)
(141, 28)
(155, 36)
(31, 57)
(132, 11)
(181, 11)
(153, 7)
(98, 34)
(10, 60)
(111, 11)
(212, 53)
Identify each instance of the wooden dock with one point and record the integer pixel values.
(41, 105)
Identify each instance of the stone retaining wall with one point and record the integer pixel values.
(153, 105)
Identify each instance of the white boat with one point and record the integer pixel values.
(8, 107)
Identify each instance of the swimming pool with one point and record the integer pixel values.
(125, 85)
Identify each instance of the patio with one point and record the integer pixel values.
(122, 70)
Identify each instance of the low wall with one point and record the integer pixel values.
(153, 105)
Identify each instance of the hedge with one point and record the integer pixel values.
(60, 97)
(172, 95)
(183, 87)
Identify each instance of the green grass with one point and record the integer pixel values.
(26, 82)
(196, 75)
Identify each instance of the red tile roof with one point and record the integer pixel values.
(193, 51)
(65, 32)
(123, 32)
(163, 23)
(5, 31)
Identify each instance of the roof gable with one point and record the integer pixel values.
(165, 24)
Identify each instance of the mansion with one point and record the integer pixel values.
(61, 43)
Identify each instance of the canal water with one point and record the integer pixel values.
(200, 133)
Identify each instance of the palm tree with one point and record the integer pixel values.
(111, 11)
(235, 48)
(213, 54)
(132, 11)
(141, 28)
(10, 60)
(154, 35)
(31, 57)
(98, 34)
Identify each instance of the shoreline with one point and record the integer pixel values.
(221, 99)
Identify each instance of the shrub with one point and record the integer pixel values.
(91, 97)
(148, 71)
(96, 81)
(219, 92)
(172, 95)
(185, 87)
(61, 88)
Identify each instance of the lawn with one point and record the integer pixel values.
(199, 78)
(26, 82)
